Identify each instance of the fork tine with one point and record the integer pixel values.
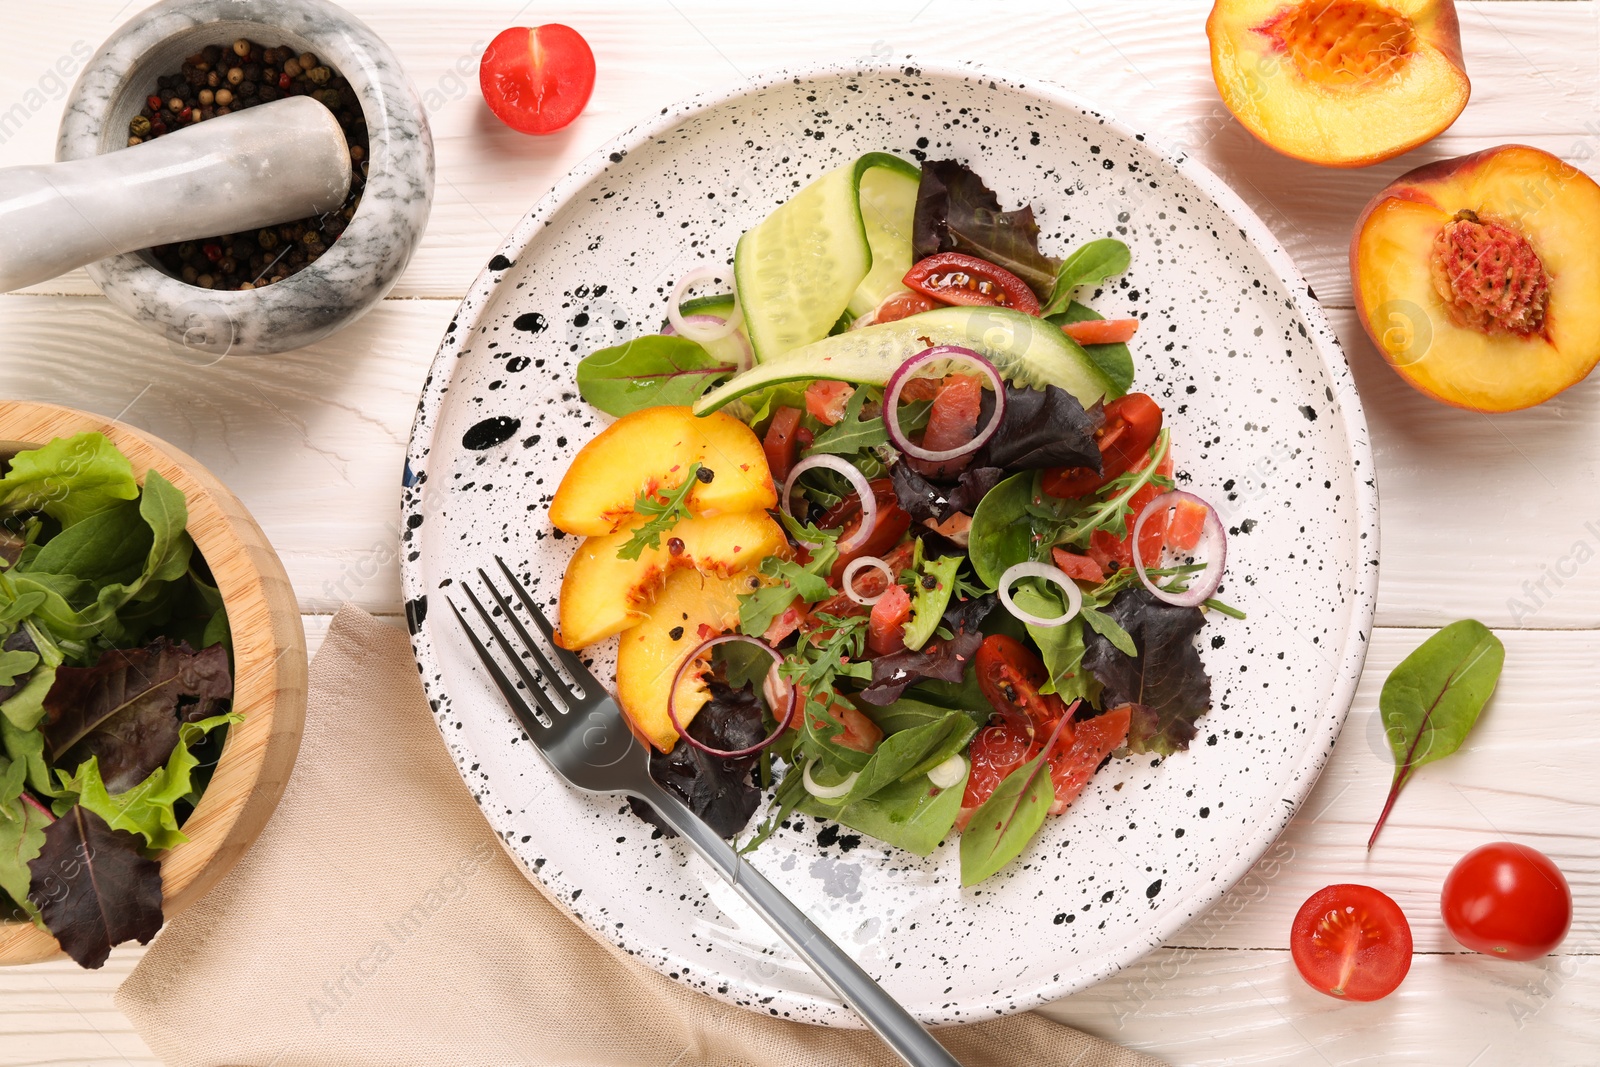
(536, 690)
(508, 689)
(550, 673)
(572, 663)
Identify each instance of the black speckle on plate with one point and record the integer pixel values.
(532, 322)
(499, 263)
(490, 432)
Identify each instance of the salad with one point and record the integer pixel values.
(884, 535)
(115, 690)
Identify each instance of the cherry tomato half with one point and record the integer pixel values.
(1351, 942)
(537, 80)
(1010, 674)
(957, 278)
(1132, 423)
(1507, 900)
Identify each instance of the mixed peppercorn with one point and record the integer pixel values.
(222, 79)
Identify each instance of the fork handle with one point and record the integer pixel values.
(883, 1015)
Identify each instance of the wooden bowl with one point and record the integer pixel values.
(269, 653)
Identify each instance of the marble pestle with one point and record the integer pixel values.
(273, 163)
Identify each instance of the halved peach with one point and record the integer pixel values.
(652, 451)
(690, 608)
(603, 594)
(1476, 277)
(1343, 83)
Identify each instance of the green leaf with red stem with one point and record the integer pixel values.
(1432, 699)
(1007, 821)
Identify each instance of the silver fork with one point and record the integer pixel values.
(580, 731)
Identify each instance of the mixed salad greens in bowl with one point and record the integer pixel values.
(883, 533)
(116, 689)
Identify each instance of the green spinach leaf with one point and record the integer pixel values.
(648, 371)
(1090, 264)
(1432, 699)
(910, 815)
(1114, 360)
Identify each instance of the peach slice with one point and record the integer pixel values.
(1343, 83)
(603, 594)
(690, 608)
(651, 451)
(1476, 277)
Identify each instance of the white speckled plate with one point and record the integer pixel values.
(1266, 424)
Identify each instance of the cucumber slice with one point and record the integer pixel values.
(797, 271)
(888, 207)
(730, 349)
(1027, 351)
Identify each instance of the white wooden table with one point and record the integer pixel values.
(1495, 518)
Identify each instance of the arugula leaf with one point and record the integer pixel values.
(957, 212)
(1114, 360)
(759, 609)
(94, 888)
(26, 746)
(1110, 511)
(665, 510)
(1432, 699)
(851, 433)
(68, 479)
(1007, 821)
(647, 372)
(149, 807)
(14, 663)
(1090, 264)
(1164, 679)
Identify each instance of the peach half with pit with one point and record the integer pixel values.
(1477, 277)
(1341, 83)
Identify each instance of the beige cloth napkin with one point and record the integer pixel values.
(375, 921)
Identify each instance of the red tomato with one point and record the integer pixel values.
(901, 305)
(1010, 674)
(886, 629)
(957, 278)
(780, 444)
(1082, 568)
(1132, 423)
(1507, 900)
(1351, 942)
(537, 80)
(995, 752)
(1072, 766)
(952, 422)
(825, 400)
(859, 732)
(1102, 331)
(888, 528)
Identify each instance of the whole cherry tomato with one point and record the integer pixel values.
(1507, 900)
(536, 80)
(1351, 942)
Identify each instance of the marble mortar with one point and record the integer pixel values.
(369, 256)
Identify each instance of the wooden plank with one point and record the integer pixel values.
(1146, 63)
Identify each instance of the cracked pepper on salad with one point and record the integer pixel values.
(883, 534)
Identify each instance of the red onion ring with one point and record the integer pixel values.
(897, 382)
(683, 325)
(848, 578)
(858, 482)
(672, 697)
(1213, 547)
(1050, 574)
(746, 357)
